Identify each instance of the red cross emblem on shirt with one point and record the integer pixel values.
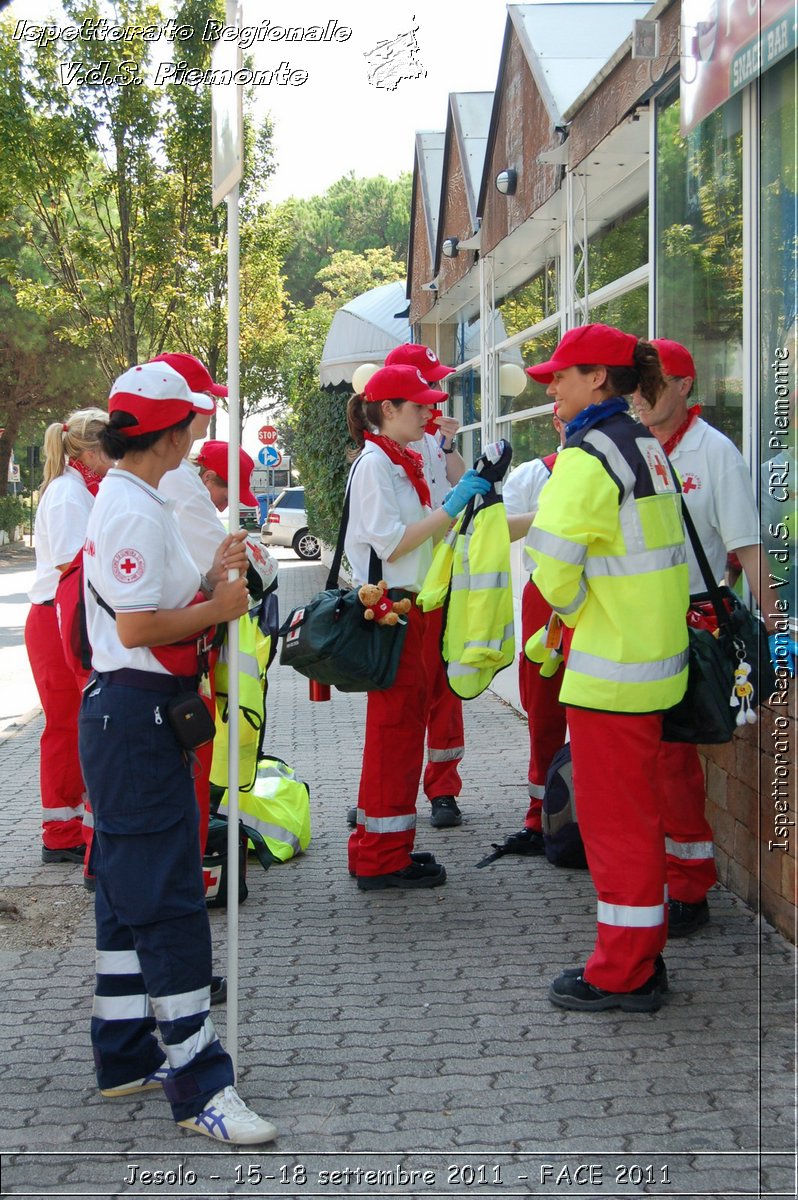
(128, 565)
(690, 484)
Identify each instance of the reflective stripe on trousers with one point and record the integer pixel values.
(689, 843)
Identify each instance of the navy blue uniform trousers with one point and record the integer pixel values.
(153, 956)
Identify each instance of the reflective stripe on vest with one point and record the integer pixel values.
(645, 672)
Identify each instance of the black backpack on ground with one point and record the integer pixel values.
(561, 837)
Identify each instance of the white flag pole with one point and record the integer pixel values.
(233, 491)
(227, 155)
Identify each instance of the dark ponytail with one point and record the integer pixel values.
(116, 444)
(645, 375)
(364, 416)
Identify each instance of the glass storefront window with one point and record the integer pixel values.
(628, 312)
(777, 332)
(530, 438)
(699, 269)
(618, 248)
(465, 403)
(537, 349)
(532, 303)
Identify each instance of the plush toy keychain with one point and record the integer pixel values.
(378, 605)
(742, 694)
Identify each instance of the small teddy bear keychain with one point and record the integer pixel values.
(742, 694)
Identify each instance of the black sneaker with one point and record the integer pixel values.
(218, 989)
(351, 816)
(445, 813)
(660, 973)
(90, 883)
(418, 856)
(573, 991)
(526, 841)
(417, 875)
(67, 854)
(684, 919)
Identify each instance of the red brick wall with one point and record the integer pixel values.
(742, 811)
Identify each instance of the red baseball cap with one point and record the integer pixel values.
(213, 455)
(676, 359)
(400, 383)
(422, 358)
(195, 373)
(156, 396)
(601, 344)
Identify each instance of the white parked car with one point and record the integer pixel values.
(286, 525)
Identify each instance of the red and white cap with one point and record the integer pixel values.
(603, 345)
(422, 358)
(195, 373)
(213, 455)
(675, 358)
(400, 383)
(156, 396)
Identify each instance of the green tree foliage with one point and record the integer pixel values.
(315, 418)
(353, 214)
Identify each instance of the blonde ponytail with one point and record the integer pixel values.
(69, 439)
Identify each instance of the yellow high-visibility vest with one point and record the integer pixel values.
(253, 659)
(609, 547)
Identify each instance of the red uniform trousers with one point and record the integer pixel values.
(689, 842)
(620, 810)
(396, 723)
(60, 778)
(540, 700)
(445, 736)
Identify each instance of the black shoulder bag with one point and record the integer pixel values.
(330, 641)
(729, 670)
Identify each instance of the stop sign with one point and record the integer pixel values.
(267, 434)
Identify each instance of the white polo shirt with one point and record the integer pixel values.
(521, 493)
(136, 558)
(383, 502)
(194, 512)
(61, 520)
(434, 467)
(719, 494)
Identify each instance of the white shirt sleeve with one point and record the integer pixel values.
(132, 565)
(522, 487)
(67, 518)
(195, 514)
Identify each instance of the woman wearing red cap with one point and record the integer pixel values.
(391, 516)
(73, 467)
(146, 617)
(609, 547)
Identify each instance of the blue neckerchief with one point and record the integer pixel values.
(594, 413)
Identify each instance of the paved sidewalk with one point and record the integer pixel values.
(408, 1032)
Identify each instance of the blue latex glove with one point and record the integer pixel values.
(783, 651)
(471, 484)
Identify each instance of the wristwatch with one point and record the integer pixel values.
(450, 450)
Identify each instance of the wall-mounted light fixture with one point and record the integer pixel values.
(512, 380)
(507, 181)
(451, 247)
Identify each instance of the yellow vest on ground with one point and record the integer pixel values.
(277, 807)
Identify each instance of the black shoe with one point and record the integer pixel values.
(418, 856)
(526, 841)
(573, 991)
(351, 816)
(660, 973)
(68, 854)
(218, 989)
(90, 883)
(445, 813)
(684, 919)
(417, 875)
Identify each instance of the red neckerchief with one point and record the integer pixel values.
(90, 478)
(409, 460)
(673, 441)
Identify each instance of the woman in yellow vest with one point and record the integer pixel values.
(609, 547)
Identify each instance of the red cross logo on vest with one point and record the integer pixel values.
(691, 483)
(660, 475)
(128, 566)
